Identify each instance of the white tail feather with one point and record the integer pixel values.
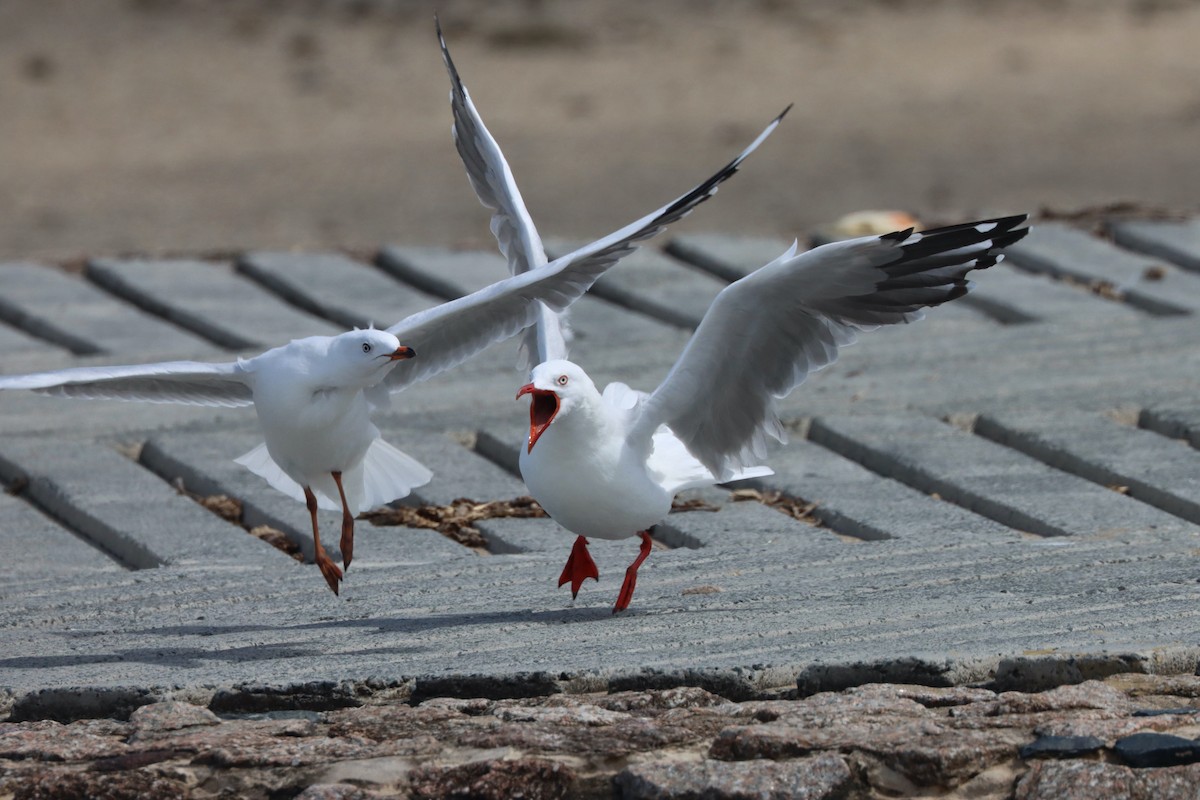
(384, 474)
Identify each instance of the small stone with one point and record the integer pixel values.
(527, 778)
(169, 716)
(821, 777)
(580, 714)
(680, 697)
(1159, 712)
(1143, 750)
(1060, 747)
(471, 706)
(928, 696)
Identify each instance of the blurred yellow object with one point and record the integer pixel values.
(863, 223)
(867, 223)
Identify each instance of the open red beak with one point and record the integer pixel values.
(402, 352)
(542, 410)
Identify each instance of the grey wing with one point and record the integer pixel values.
(491, 178)
(764, 334)
(454, 331)
(186, 382)
(512, 225)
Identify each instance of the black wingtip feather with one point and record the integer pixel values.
(897, 236)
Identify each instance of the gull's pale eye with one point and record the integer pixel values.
(366, 347)
(561, 380)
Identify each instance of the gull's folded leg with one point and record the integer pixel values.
(631, 574)
(579, 567)
(347, 541)
(329, 569)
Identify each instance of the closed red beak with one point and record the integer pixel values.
(402, 352)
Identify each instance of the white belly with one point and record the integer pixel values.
(330, 436)
(596, 492)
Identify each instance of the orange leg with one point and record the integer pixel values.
(579, 567)
(347, 542)
(329, 569)
(631, 574)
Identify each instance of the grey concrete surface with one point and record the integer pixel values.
(1060, 250)
(1005, 493)
(1177, 241)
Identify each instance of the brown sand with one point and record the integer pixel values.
(182, 125)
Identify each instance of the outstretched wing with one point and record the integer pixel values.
(491, 178)
(765, 333)
(512, 226)
(454, 331)
(187, 382)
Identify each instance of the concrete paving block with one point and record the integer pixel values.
(746, 525)
(500, 442)
(203, 461)
(731, 258)
(916, 366)
(1178, 421)
(1013, 296)
(727, 257)
(742, 599)
(334, 287)
(854, 501)
(109, 499)
(650, 283)
(209, 299)
(505, 536)
(72, 313)
(40, 548)
(442, 272)
(1177, 241)
(1063, 251)
(14, 339)
(503, 616)
(1151, 468)
(991, 480)
(457, 471)
(597, 326)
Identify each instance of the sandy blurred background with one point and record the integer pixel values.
(184, 125)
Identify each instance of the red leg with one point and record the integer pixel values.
(347, 542)
(579, 567)
(631, 574)
(329, 569)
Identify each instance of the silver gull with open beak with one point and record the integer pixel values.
(608, 464)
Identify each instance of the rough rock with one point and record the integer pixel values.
(169, 716)
(876, 740)
(1087, 780)
(1060, 747)
(1143, 750)
(528, 778)
(822, 777)
(335, 791)
(62, 785)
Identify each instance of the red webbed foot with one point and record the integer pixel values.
(579, 568)
(331, 571)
